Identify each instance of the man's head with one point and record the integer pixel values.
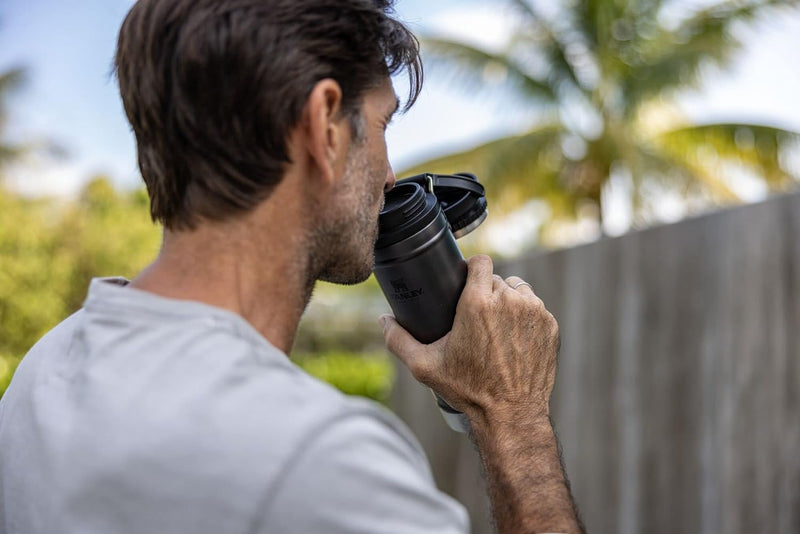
(213, 89)
(343, 245)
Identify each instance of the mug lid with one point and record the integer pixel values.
(407, 209)
(462, 197)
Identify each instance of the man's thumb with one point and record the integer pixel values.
(402, 344)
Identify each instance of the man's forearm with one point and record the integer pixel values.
(527, 484)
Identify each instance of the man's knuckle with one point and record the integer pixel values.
(553, 326)
(483, 259)
(422, 369)
(482, 303)
(470, 299)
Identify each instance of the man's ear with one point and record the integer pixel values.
(328, 130)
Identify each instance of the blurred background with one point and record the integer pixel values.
(585, 119)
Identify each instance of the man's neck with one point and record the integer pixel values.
(263, 278)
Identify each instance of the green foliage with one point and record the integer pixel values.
(33, 274)
(8, 365)
(369, 375)
(616, 63)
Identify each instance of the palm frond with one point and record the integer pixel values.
(757, 147)
(676, 170)
(551, 43)
(673, 58)
(10, 80)
(513, 169)
(523, 7)
(469, 63)
(594, 19)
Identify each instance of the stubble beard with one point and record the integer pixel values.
(344, 245)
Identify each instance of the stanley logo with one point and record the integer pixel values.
(401, 291)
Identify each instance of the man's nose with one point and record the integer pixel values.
(390, 180)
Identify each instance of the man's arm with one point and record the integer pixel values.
(498, 366)
(527, 484)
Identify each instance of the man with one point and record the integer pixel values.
(168, 404)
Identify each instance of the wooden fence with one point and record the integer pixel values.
(677, 400)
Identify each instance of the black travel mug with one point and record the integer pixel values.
(417, 263)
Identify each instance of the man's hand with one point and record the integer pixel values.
(498, 366)
(499, 358)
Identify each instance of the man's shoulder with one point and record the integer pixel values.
(60, 336)
(57, 341)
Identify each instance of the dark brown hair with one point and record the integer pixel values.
(212, 89)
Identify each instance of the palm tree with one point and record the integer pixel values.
(616, 62)
(9, 80)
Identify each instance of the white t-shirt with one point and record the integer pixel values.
(141, 414)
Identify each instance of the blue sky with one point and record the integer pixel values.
(68, 47)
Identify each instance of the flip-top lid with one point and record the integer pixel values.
(462, 197)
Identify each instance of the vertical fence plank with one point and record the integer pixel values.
(789, 385)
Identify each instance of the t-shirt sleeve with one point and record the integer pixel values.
(361, 474)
